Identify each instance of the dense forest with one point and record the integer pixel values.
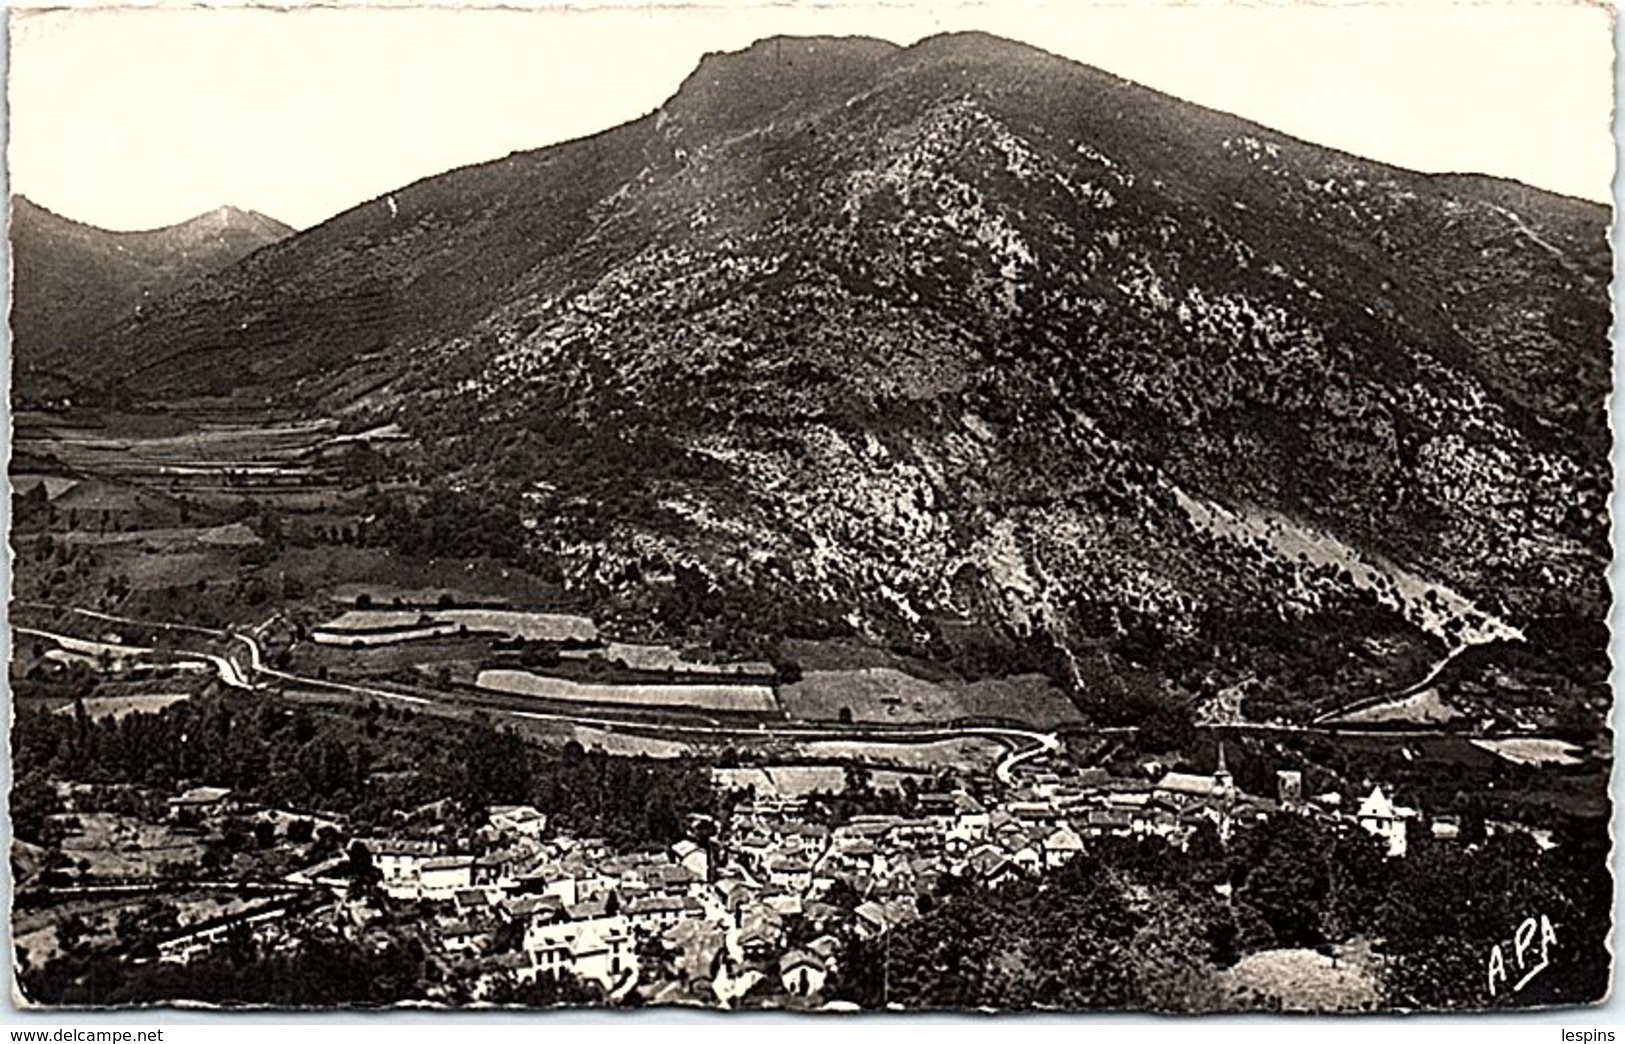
(362, 763)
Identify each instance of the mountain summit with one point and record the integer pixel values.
(965, 347)
(73, 280)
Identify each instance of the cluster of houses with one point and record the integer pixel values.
(770, 902)
(532, 905)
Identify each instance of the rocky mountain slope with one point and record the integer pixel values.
(973, 349)
(72, 280)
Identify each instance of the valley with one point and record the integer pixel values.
(911, 495)
(278, 611)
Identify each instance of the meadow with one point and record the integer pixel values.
(889, 696)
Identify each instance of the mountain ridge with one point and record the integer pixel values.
(224, 215)
(931, 344)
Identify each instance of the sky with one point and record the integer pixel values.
(137, 118)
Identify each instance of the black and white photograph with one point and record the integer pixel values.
(816, 508)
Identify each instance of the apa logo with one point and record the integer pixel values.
(1530, 955)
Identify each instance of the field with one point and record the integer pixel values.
(793, 781)
(367, 639)
(661, 659)
(178, 568)
(1423, 708)
(868, 695)
(535, 627)
(886, 695)
(630, 746)
(1302, 980)
(740, 698)
(339, 575)
(384, 626)
(463, 655)
(971, 754)
(171, 538)
(116, 707)
(117, 846)
(1532, 751)
(781, 780)
(845, 655)
(1028, 698)
(171, 445)
(138, 507)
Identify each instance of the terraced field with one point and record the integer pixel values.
(388, 626)
(757, 699)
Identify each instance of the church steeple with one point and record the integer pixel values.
(1221, 775)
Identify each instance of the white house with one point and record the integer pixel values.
(692, 858)
(1385, 820)
(971, 820)
(598, 949)
(1061, 846)
(201, 802)
(399, 864)
(517, 820)
(442, 877)
(790, 873)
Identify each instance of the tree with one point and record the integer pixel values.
(365, 877)
(1170, 973)
(1286, 880)
(71, 933)
(548, 991)
(1474, 829)
(33, 803)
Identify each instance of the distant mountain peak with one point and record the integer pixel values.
(228, 217)
(225, 216)
(73, 279)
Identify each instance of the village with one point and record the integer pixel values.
(757, 909)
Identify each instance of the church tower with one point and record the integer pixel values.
(1222, 780)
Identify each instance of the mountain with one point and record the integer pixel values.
(986, 354)
(73, 280)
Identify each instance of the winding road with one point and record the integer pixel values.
(226, 669)
(1024, 744)
(1391, 697)
(250, 673)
